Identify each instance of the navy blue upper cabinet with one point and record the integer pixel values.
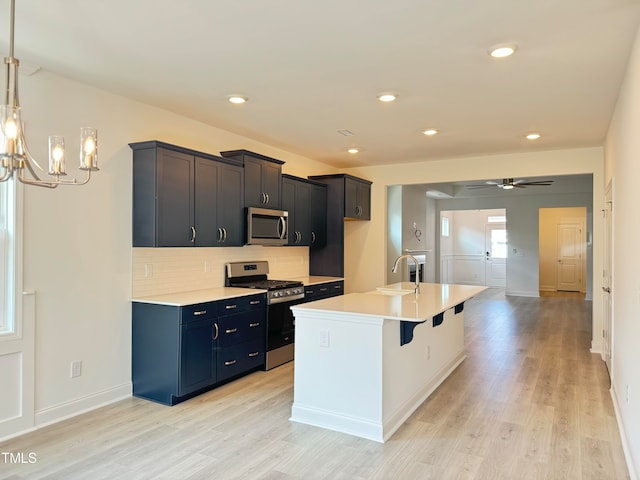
(262, 178)
(306, 203)
(185, 198)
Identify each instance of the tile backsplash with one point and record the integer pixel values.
(156, 271)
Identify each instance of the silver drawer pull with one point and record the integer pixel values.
(229, 362)
(257, 324)
(254, 354)
(231, 330)
(255, 302)
(324, 289)
(337, 287)
(231, 307)
(201, 312)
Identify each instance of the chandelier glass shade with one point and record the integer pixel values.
(15, 159)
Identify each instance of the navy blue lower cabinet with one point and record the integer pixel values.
(180, 352)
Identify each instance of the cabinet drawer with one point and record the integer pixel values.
(241, 304)
(198, 311)
(241, 327)
(239, 359)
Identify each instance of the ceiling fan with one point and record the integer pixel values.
(509, 183)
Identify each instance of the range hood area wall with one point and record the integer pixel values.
(157, 271)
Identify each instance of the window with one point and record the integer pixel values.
(497, 219)
(444, 229)
(498, 243)
(7, 265)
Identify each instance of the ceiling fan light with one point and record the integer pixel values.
(506, 187)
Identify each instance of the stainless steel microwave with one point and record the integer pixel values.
(267, 227)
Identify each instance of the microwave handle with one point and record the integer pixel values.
(282, 228)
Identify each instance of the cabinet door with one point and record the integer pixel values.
(318, 215)
(253, 193)
(350, 198)
(302, 219)
(197, 356)
(175, 212)
(230, 211)
(206, 198)
(364, 200)
(289, 205)
(271, 181)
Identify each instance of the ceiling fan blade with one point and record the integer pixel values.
(473, 187)
(544, 183)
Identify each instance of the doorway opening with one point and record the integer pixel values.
(474, 247)
(562, 250)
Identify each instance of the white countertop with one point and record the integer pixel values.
(434, 298)
(181, 299)
(316, 279)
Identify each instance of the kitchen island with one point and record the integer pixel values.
(366, 361)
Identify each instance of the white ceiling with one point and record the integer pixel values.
(311, 68)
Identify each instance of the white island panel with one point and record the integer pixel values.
(352, 374)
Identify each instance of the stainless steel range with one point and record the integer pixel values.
(281, 295)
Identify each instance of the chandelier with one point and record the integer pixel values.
(15, 159)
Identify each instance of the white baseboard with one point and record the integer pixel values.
(633, 475)
(596, 347)
(78, 406)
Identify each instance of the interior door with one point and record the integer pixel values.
(496, 255)
(607, 328)
(569, 254)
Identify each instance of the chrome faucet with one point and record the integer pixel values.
(394, 269)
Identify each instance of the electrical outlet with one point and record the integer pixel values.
(76, 368)
(323, 338)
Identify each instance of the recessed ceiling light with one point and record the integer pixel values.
(387, 97)
(430, 132)
(502, 51)
(353, 151)
(533, 136)
(237, 99)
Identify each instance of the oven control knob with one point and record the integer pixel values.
(288, 292)
(276, 294)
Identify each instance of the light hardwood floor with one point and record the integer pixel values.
(529, 402)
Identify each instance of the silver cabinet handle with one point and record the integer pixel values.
(231, 307)
(255, 302)
(215, 329)
(323, 289)
(268, 200)
(257, 324)
(337, 287)
(200, 312)
(224, 238)
(313, 237)
(229, 362)
(282, 228)
(231, 330)
(193, 234)
(219, 235)
(254, 354)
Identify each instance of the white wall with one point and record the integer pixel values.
(77, 241)
(622, 165)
